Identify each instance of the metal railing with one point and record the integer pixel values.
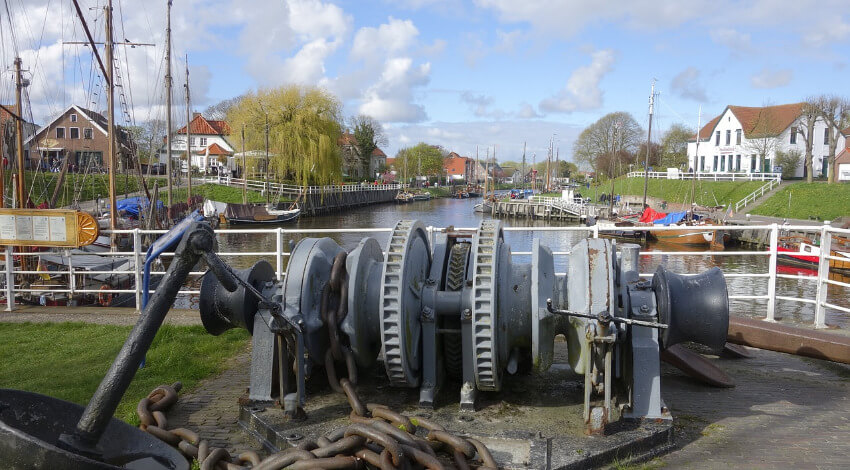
(708, 176)
(575, 208)
(73, 286)
(753, 196)
(259, 185)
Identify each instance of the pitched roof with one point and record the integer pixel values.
(847, 133)
(771, 120)
(100, 123)
(378, 153)
(843, 157)
(216, 149)
(202, 126)
(455, 165)
(346, 138)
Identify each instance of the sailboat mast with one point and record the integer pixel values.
(648, 145)
(696, 158)
(110, 110)
(244, 169)
(19, 131)
(523, 166)
(168, 168)
(477, 166)
(188, 135)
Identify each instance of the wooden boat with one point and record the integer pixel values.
(404, 197)
(258, 214)
(483, 207)
(803, 252)
(423, 196)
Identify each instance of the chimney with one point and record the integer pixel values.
(195, 115)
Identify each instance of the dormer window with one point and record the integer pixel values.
(73, 118)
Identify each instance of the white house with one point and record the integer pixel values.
(208, 145)
(730, 143)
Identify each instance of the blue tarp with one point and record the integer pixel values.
(132, 205)
(672, 218)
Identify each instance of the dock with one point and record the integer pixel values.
(547, 208)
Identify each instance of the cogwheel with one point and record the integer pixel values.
(485, 332)
(455, 277)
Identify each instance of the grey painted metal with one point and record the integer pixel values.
(544, 325)
(696, 308)
(364, 266)
(645, 364)
(405, 271)
(222, 309)
(486, 250)
(262, 359)
(431, 342)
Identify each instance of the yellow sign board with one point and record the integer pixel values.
(47, 227)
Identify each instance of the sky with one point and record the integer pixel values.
(484, 76)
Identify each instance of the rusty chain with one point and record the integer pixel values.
(377, 438)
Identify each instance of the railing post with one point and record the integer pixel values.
(10, 280)
(771, 281)
(595, 231)
(279, 255)
(823, 275)
(137, 267)
(72, 281)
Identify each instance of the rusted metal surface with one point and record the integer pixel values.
(788, 339)
(696, 366)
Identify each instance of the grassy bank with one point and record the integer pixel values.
(68, 360)
(441, 191)
(808, 200)
(215, 192)
(708, 193)
(82, 187)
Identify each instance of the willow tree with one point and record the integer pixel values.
(303, 130)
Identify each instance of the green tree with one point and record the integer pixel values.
(303, 128)
(674, 146)
(429, 158)
(789, 161)
(369, 135)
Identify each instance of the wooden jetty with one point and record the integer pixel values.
(549, 208)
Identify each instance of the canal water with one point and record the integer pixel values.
(459, 213)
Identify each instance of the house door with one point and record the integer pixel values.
(824, 172)
(767, 168)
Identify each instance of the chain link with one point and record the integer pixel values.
(377, 438)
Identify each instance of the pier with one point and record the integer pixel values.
(548, 208)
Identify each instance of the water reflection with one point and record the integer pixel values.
(459, 213)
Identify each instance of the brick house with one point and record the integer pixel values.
(352, 166)
(80, 135)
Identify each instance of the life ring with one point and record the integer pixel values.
(104, 298)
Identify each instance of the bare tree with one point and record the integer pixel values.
(369, 135)
(835, 112)
(809, 116)
(763, 138)
(614, 132)
(219, 110)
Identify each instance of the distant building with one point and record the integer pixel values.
(352, 165)
(842, 162)
(209, 147)
(7, 122)
(80, 135)
(728, 142)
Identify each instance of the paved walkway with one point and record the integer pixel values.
(96, 315)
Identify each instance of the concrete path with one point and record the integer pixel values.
(96, 315)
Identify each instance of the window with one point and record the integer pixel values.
(737, 162)
(60, 132)
(717, 138)
(87, 133)
(75, 132)
(826, 136)
(793, 136)
(702, 163)
(192, 142)
(73, 118)
(738, 137)
(753, 160)
(203, 141)
(728, 136)
(714, 167)
(723, 163)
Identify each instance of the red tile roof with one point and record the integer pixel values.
(765, 119)
(378, 153)
(843, 157)
(203, 126)
(455, 165)
(346, 138)
(216, 149)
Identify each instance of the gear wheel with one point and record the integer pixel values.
(405, 272)
(455, 278)
(486, 247)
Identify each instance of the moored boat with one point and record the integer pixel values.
(258, 214)
(803, 252)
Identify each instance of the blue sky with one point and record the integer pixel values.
(459, 74)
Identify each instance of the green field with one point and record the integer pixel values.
(215, 192)
(808, 200)
(68, 360)
(708, 193)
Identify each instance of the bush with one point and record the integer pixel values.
(789, 161)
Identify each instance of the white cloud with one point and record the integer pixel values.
(687, 85)
(391, 97)
(735, 40)
(387, 39)
(582, 91)
(827, 34)
(526, 111)
(769, 78)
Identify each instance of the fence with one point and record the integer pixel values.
(578, 209)
(820, 301)
(753, 196)
(708, 176)
(258, 185)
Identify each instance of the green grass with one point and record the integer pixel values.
(441, 191)
(68, 360)
(215, 192)
(84, 187)
(708, 193)
(808, 200)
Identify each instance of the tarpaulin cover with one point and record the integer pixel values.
(132, 205)
(649, 215)
(673, 218)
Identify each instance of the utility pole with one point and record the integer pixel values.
(244, 170)
(188, 135)
(268, 173)
(613, 159)
(649, 144)
(110, 108)
(168, 168)
(19, 130)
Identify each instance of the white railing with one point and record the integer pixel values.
(575, 208)
(708, 176)
(753, 196)
(72, 285)
(259, 185)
